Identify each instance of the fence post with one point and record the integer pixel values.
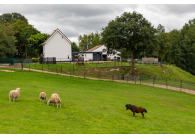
(166, 83)
(22, 64)
(56, 68)
(140, 78)
(180, 85)
(153, 81)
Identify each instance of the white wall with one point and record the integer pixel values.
(57, 46)
(100, 50)
(88, 56)
(111, 56)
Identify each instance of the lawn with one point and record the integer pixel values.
(91, 107)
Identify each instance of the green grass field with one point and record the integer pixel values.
(91, 107)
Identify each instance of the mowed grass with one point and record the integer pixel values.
(91, 107)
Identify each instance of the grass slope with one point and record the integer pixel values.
(90, 106)
(167, 71)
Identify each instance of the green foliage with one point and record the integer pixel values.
(10, 17)
(89, 41)
(188, 46)
(23, 32)
(101, 111)
(7, 41)
(163, 43)
(131, 31)
(174, 53)
(35, 47)
(75, 48)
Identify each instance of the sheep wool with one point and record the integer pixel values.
(55, 98)
(14, 94)
(43, 96)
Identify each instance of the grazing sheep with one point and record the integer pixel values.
(43, 96)
(55, 98)
(14, 94)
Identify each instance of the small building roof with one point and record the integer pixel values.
(96, 47)
(55, 31)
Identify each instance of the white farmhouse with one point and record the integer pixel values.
(59, 46)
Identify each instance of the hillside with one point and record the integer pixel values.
(109, 68)
(167, 71)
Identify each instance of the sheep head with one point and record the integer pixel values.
(48, 102)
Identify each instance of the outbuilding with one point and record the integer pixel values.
(57, 45)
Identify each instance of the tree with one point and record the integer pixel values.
(7, 41)
(188, 46)
(89, 41)
(131, 31)
(23, 31)
(35, 47)
(75, 48)
(10, 17)
(174, 54)
(162, 42)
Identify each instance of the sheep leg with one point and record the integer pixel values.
(134, 114)
(57, 105)
(60, 105)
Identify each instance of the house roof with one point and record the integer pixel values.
(98, 46)
(55, 31)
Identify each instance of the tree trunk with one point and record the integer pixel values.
(26, 51)
(132, 61)
(161, 61)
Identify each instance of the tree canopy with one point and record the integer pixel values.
(7, 41)
(75, 48)
(35, 47)
(130, 31)
(89, 41)
(10, 17)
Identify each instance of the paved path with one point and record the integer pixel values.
(148, 84)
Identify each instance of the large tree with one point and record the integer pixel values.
(174, 54)
(35, 47)
(163, 42)
(188, 46)
(7, 41)
(23, 31)
(131, 31)
(88, 41)
(10, 17)
(75, 48)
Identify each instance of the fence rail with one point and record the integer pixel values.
(99, 73)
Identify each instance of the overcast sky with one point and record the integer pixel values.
(78, 19)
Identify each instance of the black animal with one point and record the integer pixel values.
(136, 109)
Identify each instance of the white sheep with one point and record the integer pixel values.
(55, 98)
(43, 96)
(14, 94)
